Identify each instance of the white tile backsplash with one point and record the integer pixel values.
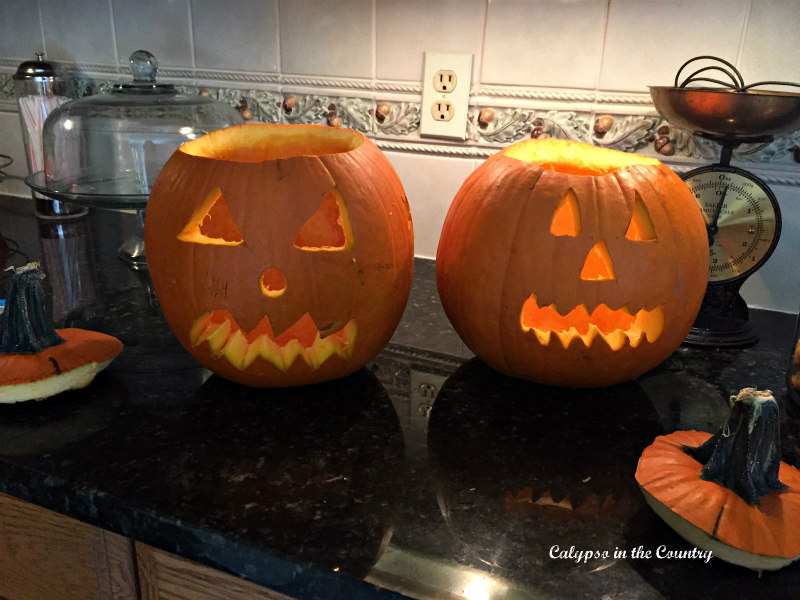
(161, 28)
(429, 197)
(249, 40)
(20, 30)
(593, 46)
(648, 40)
(327, 37)
(405, 30)
(79, 31)
(544, 42)
(768, 49)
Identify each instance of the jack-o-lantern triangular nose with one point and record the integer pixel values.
(598, 265)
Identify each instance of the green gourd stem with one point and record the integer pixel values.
(744, 455)
(26, 327)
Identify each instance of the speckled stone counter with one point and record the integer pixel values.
(407, 479)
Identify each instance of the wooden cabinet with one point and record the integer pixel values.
(164, 576)
(47, 556)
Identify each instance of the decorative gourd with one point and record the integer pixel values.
(568, 264)
(38, 361)
(729, 493)
(280, 254)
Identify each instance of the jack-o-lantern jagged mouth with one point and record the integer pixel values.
(303, 339)
(613, 326)
(592, 507)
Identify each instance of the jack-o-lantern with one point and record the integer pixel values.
(569, 264)
(280, 254)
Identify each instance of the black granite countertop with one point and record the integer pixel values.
(397, 481)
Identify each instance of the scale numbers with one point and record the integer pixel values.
(742, 219)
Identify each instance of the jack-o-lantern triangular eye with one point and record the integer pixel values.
(567, 216)
(212, 223)
(328, 229)
(641, 228)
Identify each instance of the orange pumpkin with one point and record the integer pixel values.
(281, 254)
(38, 361)
(729, 493)
(568, 264)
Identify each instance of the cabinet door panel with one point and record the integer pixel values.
(164, 576)
(45, 555)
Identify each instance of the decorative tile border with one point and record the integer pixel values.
(389, 112)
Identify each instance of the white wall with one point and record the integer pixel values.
(579, 58)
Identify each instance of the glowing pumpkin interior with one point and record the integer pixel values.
(328, 229)
(612, 325)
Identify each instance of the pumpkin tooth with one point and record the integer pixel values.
(589, 336)
(567, 336)
(202, 329)
(253, 350)
(218, 337)
(635, 337)
(652, 322)
(235, 349)
(344, 338)
(291, 351)
(546, 499)
(542, 336)
(271, 352)
(615, 339)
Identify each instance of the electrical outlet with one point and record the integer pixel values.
(445, 80)
(442, 110)
(445, 95)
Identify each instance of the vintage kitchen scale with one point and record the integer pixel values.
(742, 215)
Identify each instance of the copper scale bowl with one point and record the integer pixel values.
(727, 112)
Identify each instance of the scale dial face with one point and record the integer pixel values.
(742, 218)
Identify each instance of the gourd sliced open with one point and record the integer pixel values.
(38, 361)
(729, 492)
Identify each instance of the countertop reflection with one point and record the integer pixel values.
(424, 475)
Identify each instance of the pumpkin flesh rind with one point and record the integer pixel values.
(70, 365)
(672, 478)
(366, 279)
(496, 250)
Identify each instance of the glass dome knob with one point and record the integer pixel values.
(143, 66)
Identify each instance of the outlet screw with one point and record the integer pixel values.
(485, 117)
(382, 112)
(289, 103)
(602, 125)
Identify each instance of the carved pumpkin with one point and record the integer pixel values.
(38, 361)
(568, 264)
(281, 254)
(729, 493)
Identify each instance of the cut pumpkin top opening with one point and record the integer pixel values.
(256, 142)
(574, 158)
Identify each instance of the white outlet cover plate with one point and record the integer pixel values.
(455, 128)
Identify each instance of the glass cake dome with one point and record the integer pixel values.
(106, 150)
